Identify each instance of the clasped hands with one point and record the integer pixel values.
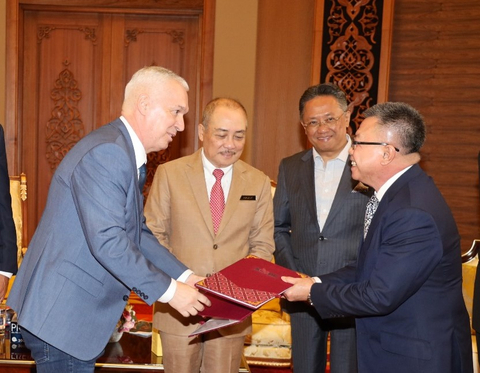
(187, 299)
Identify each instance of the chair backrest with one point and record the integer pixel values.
(18, 191)
(274, 187)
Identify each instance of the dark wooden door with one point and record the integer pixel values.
(73, 65)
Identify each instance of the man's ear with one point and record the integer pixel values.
(201, 131)
(142, 104)
(389, 154)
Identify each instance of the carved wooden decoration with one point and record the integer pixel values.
(44, 32)
(153, 161)
(157, 158)
(352, 48)
(65, 126)
(177, 36)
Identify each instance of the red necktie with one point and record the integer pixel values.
(217, 200)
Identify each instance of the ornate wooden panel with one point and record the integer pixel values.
(73, 62)
(352, 44)
(61, 70)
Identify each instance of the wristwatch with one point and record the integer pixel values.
(309, 300)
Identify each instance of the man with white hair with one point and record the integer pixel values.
(92, 247)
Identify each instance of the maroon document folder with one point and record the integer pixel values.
(239, 289)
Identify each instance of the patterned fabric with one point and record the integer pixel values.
(217, 200)
(222, 286)
(142, 176)
(371, 208)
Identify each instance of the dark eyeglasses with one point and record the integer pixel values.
(329, 122)
(355, 143)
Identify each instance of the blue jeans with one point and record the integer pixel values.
(49, 359)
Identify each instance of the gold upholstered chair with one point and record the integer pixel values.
(469, 270)
(18, 192)
(270, 342)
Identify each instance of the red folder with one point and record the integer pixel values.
(239, 289)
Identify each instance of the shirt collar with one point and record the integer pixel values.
(342, 156)
(140, 154)
(383, 189)
(210, 167)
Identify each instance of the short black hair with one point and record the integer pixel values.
(325, 89)
(405, 121)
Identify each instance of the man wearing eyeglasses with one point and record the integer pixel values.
(319, 211)
(406, 288)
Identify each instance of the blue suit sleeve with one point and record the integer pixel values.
(393, 268)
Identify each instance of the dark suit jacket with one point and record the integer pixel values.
(90, 249)
(299, 243)
(406, 289)
(8, 235)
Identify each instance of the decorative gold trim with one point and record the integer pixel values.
(23, 187)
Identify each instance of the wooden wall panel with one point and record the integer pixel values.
(68, 67)
(170, 42)
(435, 66)
(62, 61)
(284, 61)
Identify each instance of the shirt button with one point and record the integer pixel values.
(215, 247)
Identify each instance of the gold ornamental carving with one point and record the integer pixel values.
(65, 127)
(352, 33)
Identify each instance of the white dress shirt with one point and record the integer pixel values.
(327, 178)
(208, 169)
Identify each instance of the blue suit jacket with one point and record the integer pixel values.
(406, 288)
(90, 249)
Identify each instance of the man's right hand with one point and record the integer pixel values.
(188, 301)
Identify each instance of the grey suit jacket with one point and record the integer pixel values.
(299, 243)
(90, 249)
